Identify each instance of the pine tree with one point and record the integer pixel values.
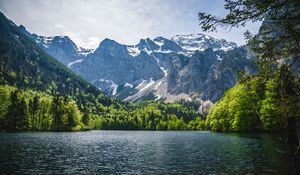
(22, 119)
(11, 122)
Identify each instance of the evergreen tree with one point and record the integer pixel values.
(22, 116)
(11, 119)
(277, 42)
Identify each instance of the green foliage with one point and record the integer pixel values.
(251, 105)
(17, 113)
(5, 102)
(31, 110)
(270, 114)
(277, 50)
(38, 111)
(236, 111)
(149, 116)
(24, 65)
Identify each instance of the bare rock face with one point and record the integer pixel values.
(60, 47)
(192, 67)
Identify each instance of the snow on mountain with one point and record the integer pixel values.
(145, 84)
(60, 47)
(85, 51)
(128, 85)
(74, 62)
(114, 86)
(184, 67)
(133, 51)
(199, 42)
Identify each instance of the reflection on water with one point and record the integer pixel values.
(140, 152)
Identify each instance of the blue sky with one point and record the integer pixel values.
(87, 22)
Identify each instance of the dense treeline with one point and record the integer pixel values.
(36, 111)
(39, 93)
(253, 105)
(28, 110)
(151, 116)
(270, 100)
(25, 66)
(46, 92)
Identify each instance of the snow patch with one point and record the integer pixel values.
(149, 52)
(128, 85)
(225, 48)
(84, 51)
(133, 51)
(160, 43)
(113, 85)
(219, 58)
(115, 88)
(74, 62)
(141, 84)
(199, 42)
(163, 51)
(145, 84)
(151, 82)
(45, 45)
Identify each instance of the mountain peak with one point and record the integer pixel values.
(200, 42)
(21, 27)
(147, 44)
(108, 42)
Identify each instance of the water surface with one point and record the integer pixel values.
(140, 152)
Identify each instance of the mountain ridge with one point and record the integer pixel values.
(25, 65)
(193, 67)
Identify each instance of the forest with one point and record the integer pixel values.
(28, 110)
(269, 100)
(40, 94)
(253, 105)
(37, 93)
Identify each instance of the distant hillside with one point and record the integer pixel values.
(193, 67)
(38, 93)
(25, 65)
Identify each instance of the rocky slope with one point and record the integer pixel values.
(60, 47)
(192, 67)
(26, 66)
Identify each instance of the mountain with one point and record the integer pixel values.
(60, 47)
(39, 93)
(200, 42)
(193, 67)
(188, 67)
(24, 65)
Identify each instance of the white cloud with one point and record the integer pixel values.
(126, 21)
(61, 27)
(92, 42)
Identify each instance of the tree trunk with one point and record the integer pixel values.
(293, 142)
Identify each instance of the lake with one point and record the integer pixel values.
(140, 152)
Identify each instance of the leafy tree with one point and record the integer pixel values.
(72, 117)
(5, 102)
(17, 113)
(33, 105)
(269, 111)
(41, 111)
(86, 119)
(57, 109)
(11, 122)
(277, 49)
(22, 116)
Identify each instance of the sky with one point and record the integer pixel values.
(88, 22)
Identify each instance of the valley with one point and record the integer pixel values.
(136, 87)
